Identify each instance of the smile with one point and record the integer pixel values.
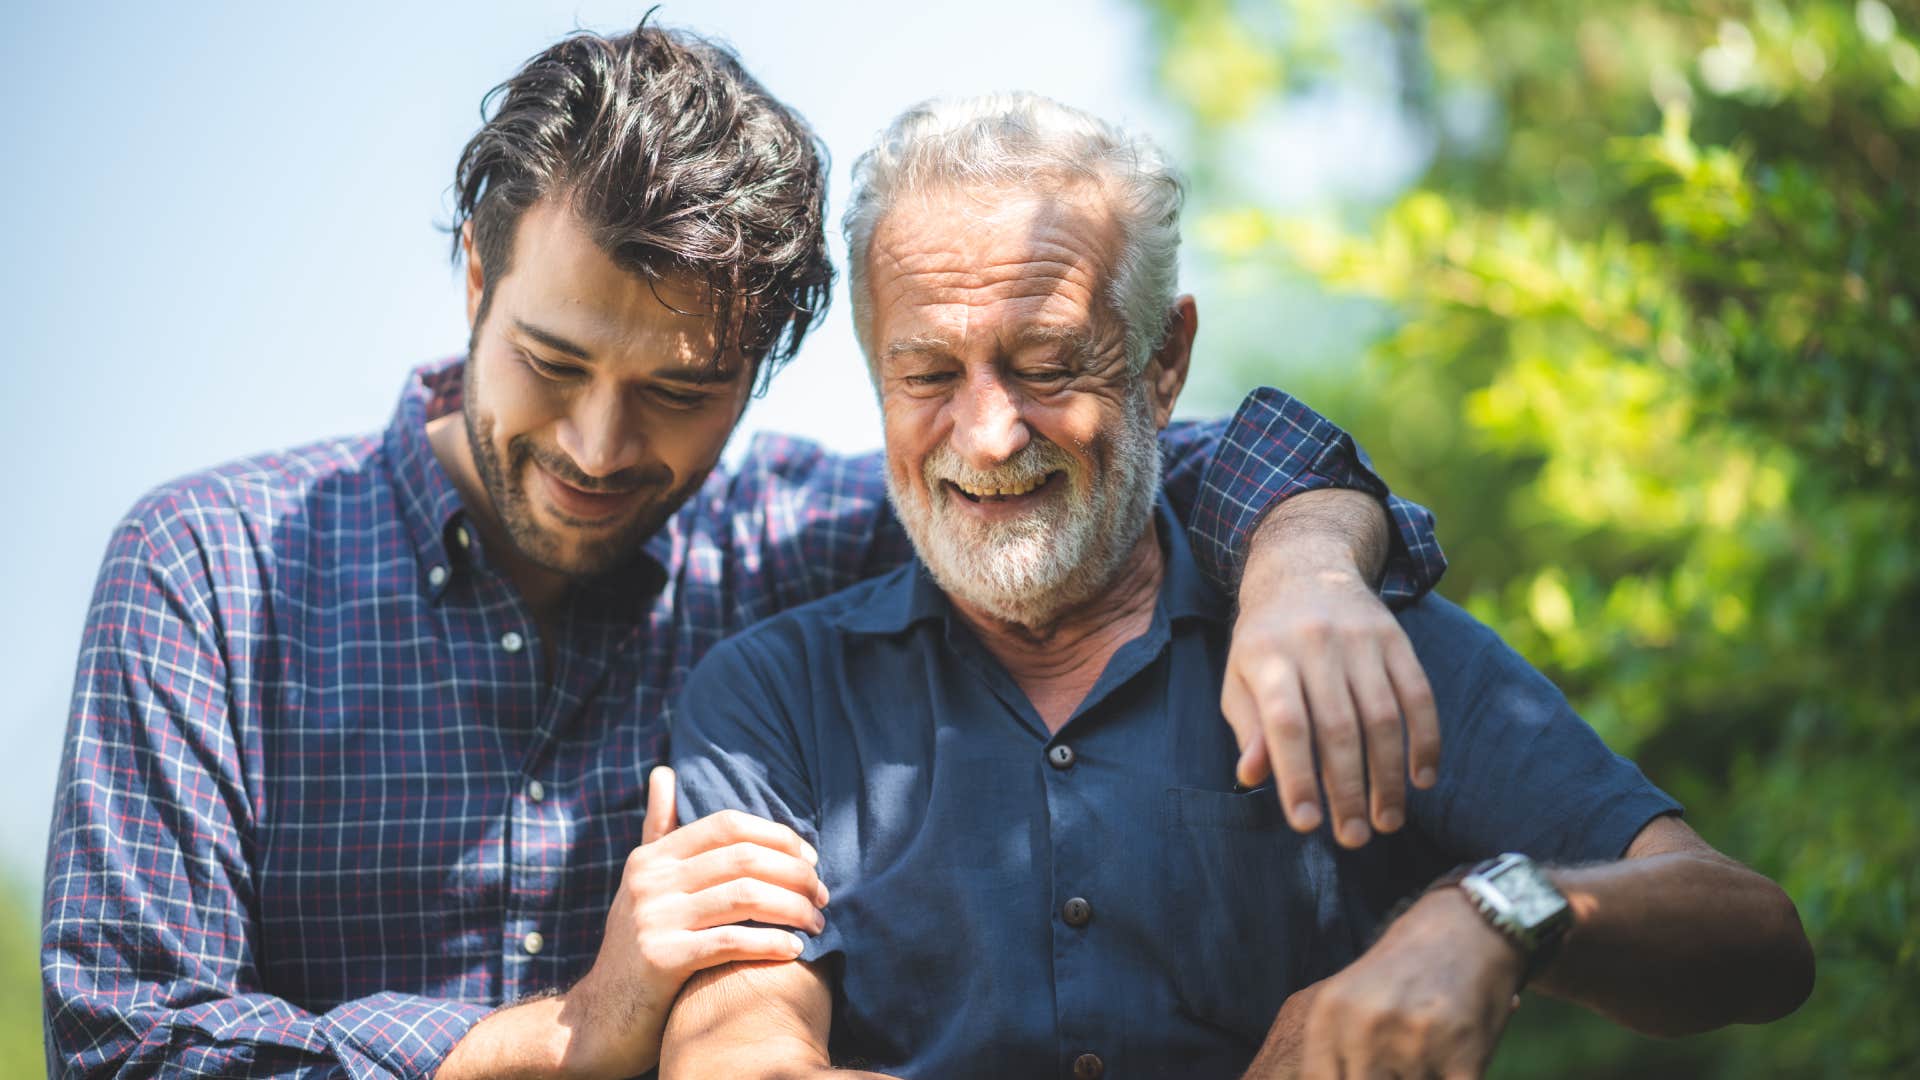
(1001, 492)
(581, 506)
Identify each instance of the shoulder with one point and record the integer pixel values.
(787, 647)
(222, 526)
(261, 491)
(1466, 661)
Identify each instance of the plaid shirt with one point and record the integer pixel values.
(327, 798)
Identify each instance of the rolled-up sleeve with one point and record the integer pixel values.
(1276, 447)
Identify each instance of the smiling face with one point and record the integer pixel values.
(1021, 451)
(593, 403)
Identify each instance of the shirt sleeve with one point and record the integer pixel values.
(147, 955)
(1222, 480)
(1520, 770)
(735, 747)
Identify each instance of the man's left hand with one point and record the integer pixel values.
(1318, 661)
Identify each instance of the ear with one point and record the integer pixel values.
(1167, 369)
(476, 274)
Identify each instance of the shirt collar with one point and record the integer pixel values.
(910, 595)
(434, 515)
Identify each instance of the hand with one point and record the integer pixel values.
(675, 912)
(1429, 999)
(1317, 660)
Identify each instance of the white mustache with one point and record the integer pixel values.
(1024, 469)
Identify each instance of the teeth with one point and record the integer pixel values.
(1001, 492)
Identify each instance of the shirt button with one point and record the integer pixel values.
(536, 791)
(437, 576)
(512, 641)
(1077, 912)
(1061, 756)
(533, 943)
(463, 538)
(1089, 1067)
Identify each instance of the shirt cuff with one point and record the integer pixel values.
(397, 1035)
(1274, 447)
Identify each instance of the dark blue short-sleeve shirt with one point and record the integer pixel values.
(1005, 900)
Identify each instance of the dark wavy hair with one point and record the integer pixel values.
(678, 162)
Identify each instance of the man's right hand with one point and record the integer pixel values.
(680, 899)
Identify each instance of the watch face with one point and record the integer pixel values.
(1531, 898)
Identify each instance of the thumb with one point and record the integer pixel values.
(662, 813)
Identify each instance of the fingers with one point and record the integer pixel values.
(1288, 740)
(746, 899)
(1242, 714)
(1337, 733)
(732, 944)
(1416, 704)
(1379, 713)
(662, 812)
(751, 861)
(734, 827)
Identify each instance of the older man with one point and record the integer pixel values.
(1008, 752)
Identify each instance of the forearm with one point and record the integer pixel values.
(759, 1021)
(541, 1038)
(1678, 943)
(1320, 532)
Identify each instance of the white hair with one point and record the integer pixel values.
(1022, 140)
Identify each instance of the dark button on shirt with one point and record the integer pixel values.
(880, 728)
(1061, 756)
(1077, 912)
(1089, 1067)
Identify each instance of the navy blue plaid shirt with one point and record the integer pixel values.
(323, 805)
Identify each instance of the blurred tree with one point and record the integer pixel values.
(1644, 333)
(21, 1053)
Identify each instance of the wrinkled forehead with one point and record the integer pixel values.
(953, 256)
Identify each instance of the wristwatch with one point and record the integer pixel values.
(1516, 899)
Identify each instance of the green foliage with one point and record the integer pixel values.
(21, 1052)
(1649, 351)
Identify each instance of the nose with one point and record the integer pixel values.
(602, 433)
(988, 427)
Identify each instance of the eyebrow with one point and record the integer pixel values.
(552, 340)
(717, 370)
(918, 344)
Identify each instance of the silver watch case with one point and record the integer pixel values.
(1516, 899)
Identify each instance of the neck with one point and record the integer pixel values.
(543, 590)
(1057, 659)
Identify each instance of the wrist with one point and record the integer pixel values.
(1449, 913)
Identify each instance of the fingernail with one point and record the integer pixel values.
(820, 895)
(1390, 820)
(806, 851)
(819, 922)
(799, 944)
(1306, 816)
(1353, 832)
(1426, 778)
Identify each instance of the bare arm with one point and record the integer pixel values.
(1676, 938)
(751, 1021)
(1320, 667)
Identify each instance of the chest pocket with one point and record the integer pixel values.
(1247, 898)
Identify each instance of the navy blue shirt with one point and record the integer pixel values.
(1005, 900)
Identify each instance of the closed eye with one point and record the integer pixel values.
(556, 372)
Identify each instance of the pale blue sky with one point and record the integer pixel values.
(220, 234)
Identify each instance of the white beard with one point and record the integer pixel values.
(1029, 570)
